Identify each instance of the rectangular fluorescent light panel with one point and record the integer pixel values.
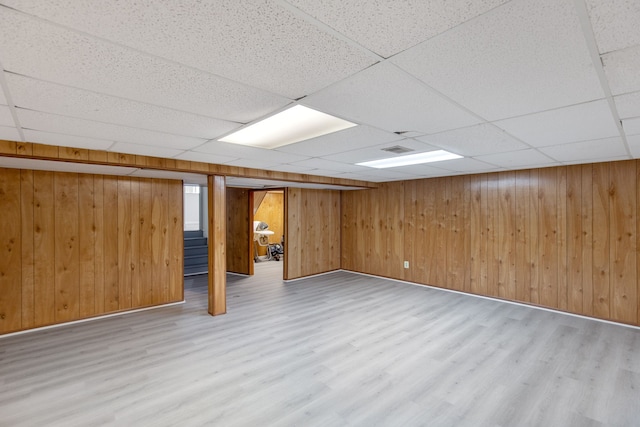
(295, 124)
(411, 159)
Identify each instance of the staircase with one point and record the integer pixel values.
(196, 253)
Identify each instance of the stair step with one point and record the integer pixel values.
(190, 234)
(196, 250)
(195, 260)
(195, 241)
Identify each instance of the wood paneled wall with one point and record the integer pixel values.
(75, 246)
(271, 211)
(312, 232)
(239, 236)
(564, 238)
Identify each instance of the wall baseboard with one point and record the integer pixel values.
(88, 319)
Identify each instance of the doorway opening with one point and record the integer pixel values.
(196, 248)
(267, 239)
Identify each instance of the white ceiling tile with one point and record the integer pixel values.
(631, 126)
(391, 27)
(596, 150)
(520, 58)
(205, 157)
(621, 68)
(628, 105)
(63, 140)
(325, 172)
(474, 140)
(6, 119)
(53, 98)
(385, 97)
(47, 52)
(246, 152)
(464, 165)
(582, 122)
(9, 133)
(422, 170)
(144, 150)
(258, 43)
(634, 145)
(376, 152)
(330, 165)
(36, 120)
(615, 23)
(3, 100)
(349, 139)
(380, 175)
(518, 159)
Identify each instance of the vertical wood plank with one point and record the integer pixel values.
(561, 237)
(10, 251)
(601, 241)
(239, 236)
(67, 254)
(111, 267)
(145, 293)
(587, 239)
(412, 234)
(136, 300)
(506, 235)
(98, 244)
(548, 249)
(493, 223)
(522, 237)
(217, 301)
(160, 242)
(124, 243)
(176, 242)
(623, 255)
(574, 240)
(44, 248)
(534, 221)
(27, 242)
(86, 236)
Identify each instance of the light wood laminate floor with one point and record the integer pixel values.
(336, 350)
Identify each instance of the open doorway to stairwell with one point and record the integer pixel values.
(195, 230)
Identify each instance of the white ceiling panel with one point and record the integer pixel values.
(258, 43)
(42, 96)
(3, 100)
(9, 133)
(379, 175)
(518, 159)
(376, 152)
(349, 139)
(592, 120)
(520, 58)
(597, 150)
(246, 152)
(37, 120)
(628, 105)
(205, 157)
(621, 68)
(144, 150)
(474, 140)
(615, 23)
(6, 119)
(324, 172)
(464, 165)
(423, 170)
(386, 97)
(389, 27)
(631, 126)
(634, 145)
(330, 165)
(294, 168)
(188, 178)
(66, 140)
(47, 52)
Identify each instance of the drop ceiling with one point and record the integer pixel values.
(506, 84)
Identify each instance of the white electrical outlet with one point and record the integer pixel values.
(406, 264)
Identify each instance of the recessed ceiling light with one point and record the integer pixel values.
(295, 124)
(411, 159)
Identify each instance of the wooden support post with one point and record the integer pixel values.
(217, 245)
